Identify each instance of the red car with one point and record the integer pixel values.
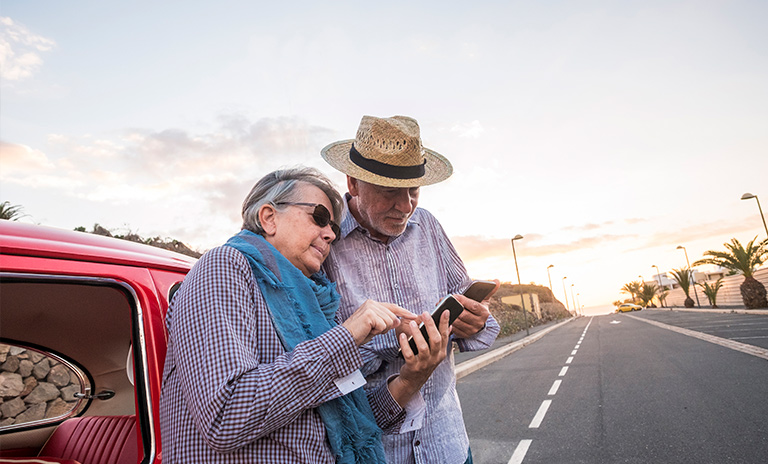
(82, 345)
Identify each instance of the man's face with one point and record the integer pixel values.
(384, 211)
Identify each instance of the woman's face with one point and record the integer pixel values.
(297, 236)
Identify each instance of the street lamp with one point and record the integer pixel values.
(566, 295)
(522, 297)
(574, 300)
(747, 196)
(693, 279)
(550, 281)
(658, 274)
(578, 305)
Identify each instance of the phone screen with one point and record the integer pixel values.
(479, 289)
(449, 303)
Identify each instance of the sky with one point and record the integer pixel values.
(605, 133)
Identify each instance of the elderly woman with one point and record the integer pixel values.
(257, 369)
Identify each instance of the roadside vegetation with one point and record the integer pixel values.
(737, 258)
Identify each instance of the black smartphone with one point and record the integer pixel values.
(479, 289)
(450, 304)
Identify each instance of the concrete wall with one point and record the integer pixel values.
(728, 295)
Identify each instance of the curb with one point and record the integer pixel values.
(471, 365)
(763, 312)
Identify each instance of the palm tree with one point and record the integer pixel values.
(711, 291)
(633, 288)
(662, 296)
(11, 212)
(683, 278)
(648, 293)
(744, 260)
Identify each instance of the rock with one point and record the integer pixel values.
(43, 393)
(30, 383)
(41, 369)
(12, 408)
(68, 393)
(35, 357)
(33, 413)
(59, 376)
(11, 385)
(25, 368)
(58, 407)
(11, 364)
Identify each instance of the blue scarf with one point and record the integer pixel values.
(302, 309)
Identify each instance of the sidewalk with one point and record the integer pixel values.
(470, 361)
(708, 309)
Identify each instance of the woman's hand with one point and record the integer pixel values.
(375, 318)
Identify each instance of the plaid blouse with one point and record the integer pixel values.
(231, 394)
(414, 270)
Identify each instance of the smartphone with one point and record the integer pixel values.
(450, 304)
(479, 289)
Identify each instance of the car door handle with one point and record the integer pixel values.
(102, 395)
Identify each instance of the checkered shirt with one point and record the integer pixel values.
(231, 394)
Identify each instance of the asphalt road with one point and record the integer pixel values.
(617, 389)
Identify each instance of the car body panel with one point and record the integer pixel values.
(91, 271)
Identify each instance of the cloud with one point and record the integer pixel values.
(469, 130)
(20, 50)
(472, 248)
(205, 169)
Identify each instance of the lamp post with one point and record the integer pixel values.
(573, 298)
(578, 305)
(658, 274)
(550, 281)
(522, 297)
(566, 294)
(693, 279)
(747, 196)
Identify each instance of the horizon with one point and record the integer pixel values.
(605, 134)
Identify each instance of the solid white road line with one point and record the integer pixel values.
(734, 345)
(563, 371)
(555, 386)
(536, 422)
(520, 451)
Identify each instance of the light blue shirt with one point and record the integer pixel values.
(414, 270)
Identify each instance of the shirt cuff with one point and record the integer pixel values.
(388, 413)
(342, 352)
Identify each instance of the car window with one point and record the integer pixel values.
(38, 386)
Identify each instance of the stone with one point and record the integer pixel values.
(11, 385)
(11, 364)
(12, 408)
(25, 368)
(33, 413)
(35, 357)
(30, 383)
(41, 369)
(43, 393)
(58, 407)
(59, 375)
(68, 393)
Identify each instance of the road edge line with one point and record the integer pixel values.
(467, 367)
(734, 345)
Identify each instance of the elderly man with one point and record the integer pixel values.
(391, 250)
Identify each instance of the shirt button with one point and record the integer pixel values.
(417, 443)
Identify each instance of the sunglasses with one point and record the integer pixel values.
(320, 215)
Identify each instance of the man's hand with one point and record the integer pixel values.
(374, 318)
(472, 319)
(418, 367)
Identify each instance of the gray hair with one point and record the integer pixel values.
(280, 186)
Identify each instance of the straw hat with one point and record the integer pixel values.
(388, 152)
